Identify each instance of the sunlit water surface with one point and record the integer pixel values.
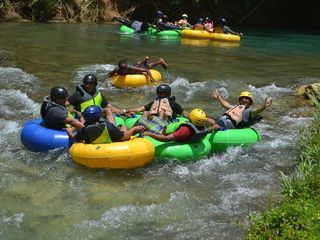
(47, 196)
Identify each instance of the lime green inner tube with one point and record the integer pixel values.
(221, 140)
(217, 141)
(181, 151)
(153, 31)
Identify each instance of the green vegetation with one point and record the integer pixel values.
(245, 13)
(298, 216)
(56, 10)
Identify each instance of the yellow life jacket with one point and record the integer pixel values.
(161, 104)
(236, 113)
(98, 133)
(88, 100)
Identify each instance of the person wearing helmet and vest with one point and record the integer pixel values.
(188, 131)
(243, 114)
(102, 131)
(54, 112)
(164, 106)
(158, 113)
(139, 67)
(183, 22)
(88, 94)
(158, 17)
(223, 28)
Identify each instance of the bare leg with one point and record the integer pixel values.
(122, 20)
(160, 62)
(145, 60)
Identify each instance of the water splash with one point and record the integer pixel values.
(17, 105)
(15, 78)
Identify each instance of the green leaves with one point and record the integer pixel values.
(298, 216)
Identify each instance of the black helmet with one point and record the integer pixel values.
(164, 88)
(200, 20)
(159, 13)
(58, 92)
(223, 21)
(90, 78)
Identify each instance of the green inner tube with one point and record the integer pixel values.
(153, 31)
(221, 140)
(181, 151)
(119, 121)
(173, 150)
(217, 141)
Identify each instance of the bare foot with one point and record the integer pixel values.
(163, 64)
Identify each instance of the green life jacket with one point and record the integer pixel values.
(98, 133)
(47, 104)
(87, 99)
(199, 134)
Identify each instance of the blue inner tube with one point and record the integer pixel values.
(37, 138)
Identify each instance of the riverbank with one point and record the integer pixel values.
(298, 215)
(252, 14)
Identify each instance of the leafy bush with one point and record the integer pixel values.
(298, 216)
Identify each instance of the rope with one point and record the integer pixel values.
(255, 8)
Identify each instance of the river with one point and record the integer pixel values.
(48, 196)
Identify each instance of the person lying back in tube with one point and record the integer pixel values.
(137, 26)
(185, 131)
(139, 67)
(223, 28)
(98, 130)
(243, 114)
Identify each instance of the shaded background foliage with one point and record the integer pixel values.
(245, 13)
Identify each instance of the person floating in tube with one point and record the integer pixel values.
(139, 67)
(88, 94)
(54, 112)
(185, 131)
(242, 114)
(98, 130)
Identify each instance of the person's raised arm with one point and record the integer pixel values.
(258, 109)
(221, 100)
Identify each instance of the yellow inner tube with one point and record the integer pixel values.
(118, 155)
(135, 80)
(187, 33)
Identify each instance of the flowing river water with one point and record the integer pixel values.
(48, 196)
